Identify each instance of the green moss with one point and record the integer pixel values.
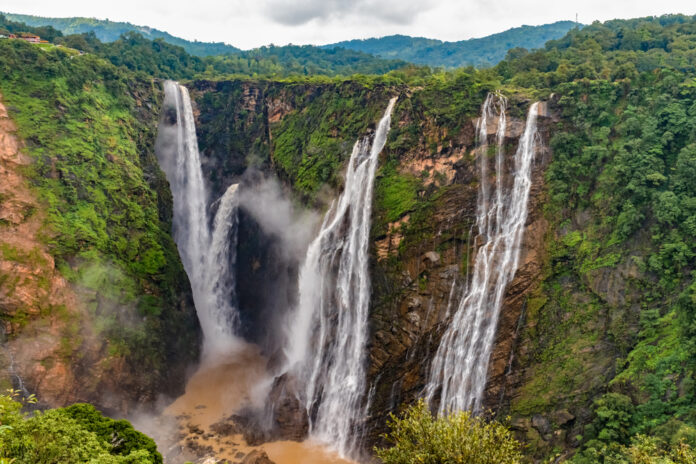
(91, 139)
(396, 193)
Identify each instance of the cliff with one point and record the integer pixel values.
(425, 208)
(95, 304)
(571, 330)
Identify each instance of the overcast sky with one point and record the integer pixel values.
(251, 23)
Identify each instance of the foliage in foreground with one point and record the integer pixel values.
(459, 438)
(643, 450)
(76, 434)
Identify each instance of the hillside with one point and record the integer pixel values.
(480, 52)
(159, 58)
(109, 31)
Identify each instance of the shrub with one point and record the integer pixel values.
(458, 438)
(77, 434)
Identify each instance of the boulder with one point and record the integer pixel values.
(541, 424)
(432, 256)
(562, 417)
(257, 457)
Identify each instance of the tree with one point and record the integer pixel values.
(458, 438)
(77, 434)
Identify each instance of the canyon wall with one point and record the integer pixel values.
(94, 303)
(424, 212)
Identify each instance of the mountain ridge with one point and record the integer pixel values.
(109, 31)
(480, 52)
(435, 52)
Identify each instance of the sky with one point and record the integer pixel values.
(252, 23)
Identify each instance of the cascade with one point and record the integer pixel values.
(459, 369)
(208, 257)
(327, 333)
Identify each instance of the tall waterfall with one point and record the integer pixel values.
(327, 335)
(208, 256)
(459, 369)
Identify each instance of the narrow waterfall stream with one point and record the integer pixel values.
(208, 256)
(459, 369)
(328, 332)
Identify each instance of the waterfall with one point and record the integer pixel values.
(459, 369)
(208, 257)
(328, 330)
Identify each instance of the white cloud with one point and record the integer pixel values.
(251, 23)
(387, 11)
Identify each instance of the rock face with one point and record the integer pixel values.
(416, 288)
(419, 259)
(29, 280)
(51, 345)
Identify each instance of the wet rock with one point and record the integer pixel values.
(257, 457)
(520, 424)
(198, 449)
(290, 416)
(225, 428)
(414, 303)
(254, 434)
(195, 429)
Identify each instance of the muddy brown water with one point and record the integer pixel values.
(219, 389)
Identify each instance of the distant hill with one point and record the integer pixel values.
(481, 52)
(352, 55)
(109, 31)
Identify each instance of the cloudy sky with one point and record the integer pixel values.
(251, 23)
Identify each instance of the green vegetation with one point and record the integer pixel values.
(302, 60)
(14, 27)
(482, 52)
(311, 145)
(110, 31)
(161, 59)
(618, 295)
(641, 450)
(397, 194)
(92, 142)
(72, 435)
(458, 438)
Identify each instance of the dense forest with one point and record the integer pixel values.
(342, 58)
(110, 31)
(610, 330)
(479, 52)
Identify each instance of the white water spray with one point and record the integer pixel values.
(328, 332)
(207, 257)
(459, 369)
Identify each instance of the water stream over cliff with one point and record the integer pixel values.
(459, 369)
(208, 256)
(233, 373)
(328, 331)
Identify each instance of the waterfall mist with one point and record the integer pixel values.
(327, 333)
(459, 369)
(274, 232)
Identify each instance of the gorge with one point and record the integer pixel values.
(324, 358)
(256, 269)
